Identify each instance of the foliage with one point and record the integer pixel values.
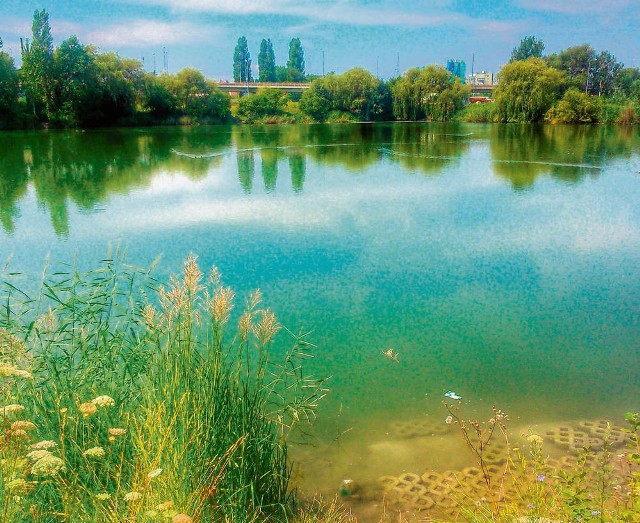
(119, 410)
(527, 90)
(9, 89)
(289, 75)
(529, 46)
(479, 113)
(242, 61)
(296, 56)
(428, 93)
(356, 92)
(37, 66)
(576, 62)
(603, 76)
(267, 62)
(574, 107)
(266, 102)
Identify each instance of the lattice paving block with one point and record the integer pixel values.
(568, 437)
(410, 477)
(471, 472)
(424, 503)
(419, 428)
(412, 488)
(602, 429)
(431, 478)
(388, 482)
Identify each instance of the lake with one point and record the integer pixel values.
(501, 262)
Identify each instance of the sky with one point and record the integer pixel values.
(381, 36)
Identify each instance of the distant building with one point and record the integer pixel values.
(482, 78)
(457, 68)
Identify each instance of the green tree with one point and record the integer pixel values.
(200, 98)
(9, 85)
(603, 76)
(267, 62)
(122, 88)
(530, 46)
(37, 66)
(296, 56)
(242, 61)
(76, 83)
(431, 92)
(628, 82)
(266, 102)
(527, 90)
(576, 62)
(160, 98)
(574, 107)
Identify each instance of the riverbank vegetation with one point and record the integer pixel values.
(124, 400)
(75, 85)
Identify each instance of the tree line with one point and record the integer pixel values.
(268, 71)
(75, 85)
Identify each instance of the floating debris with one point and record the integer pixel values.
(452, 395)
(390, 354)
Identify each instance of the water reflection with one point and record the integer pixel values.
(85, 168)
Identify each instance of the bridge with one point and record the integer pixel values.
(483, 90)
(241, 88)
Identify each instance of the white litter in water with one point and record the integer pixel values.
(452, 395)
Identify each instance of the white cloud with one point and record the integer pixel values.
(147, 33)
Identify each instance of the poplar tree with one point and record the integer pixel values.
(37, 65)
(296, 56)
(267, 61)
(242, 61)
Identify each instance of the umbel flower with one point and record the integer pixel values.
(103, 401)
(94, 452)
(48, 466)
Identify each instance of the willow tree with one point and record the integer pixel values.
(527, 90)
(428, 93)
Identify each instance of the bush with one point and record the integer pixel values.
(266, 102)
(479, 113)
(574, 107)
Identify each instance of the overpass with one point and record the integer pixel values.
(483, 89)
(241, 88)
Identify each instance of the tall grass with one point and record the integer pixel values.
(123, 400)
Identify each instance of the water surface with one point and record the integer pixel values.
(497, 261)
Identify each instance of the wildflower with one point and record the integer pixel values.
(595, 512)
(20, 433)
(478, 503)
(531, 506)
(35, 455)
(103, 401)
(541, 477)
(12, 409)
(535, 439)
(48, 466)
(448, 420)
(103, 496)
(182, 518)
(151, 514)
(94, 452)
(165, 506)
(154, 473)
(117, 432)
(45, 444)
(22, 425)
(88, 408)
(132, 496)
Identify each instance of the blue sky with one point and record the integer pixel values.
(365, 33)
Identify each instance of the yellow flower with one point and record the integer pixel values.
(132, 496)
(94, 452)
(535, 439)
(46, 444)
(16, 484)
(117, 432)
(19, 433)
(103, 401)
(88, 408)
(8, 369)
(103, 496)
(24, 425)
(182, 518)
(48, 466)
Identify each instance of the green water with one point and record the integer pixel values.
(501, 262)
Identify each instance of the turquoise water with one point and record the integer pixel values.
(500, 262)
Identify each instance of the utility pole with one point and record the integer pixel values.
(154, 64)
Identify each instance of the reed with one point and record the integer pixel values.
(124, 400)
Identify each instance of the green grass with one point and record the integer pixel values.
(151, 405)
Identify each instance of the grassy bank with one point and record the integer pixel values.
(128, 401)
